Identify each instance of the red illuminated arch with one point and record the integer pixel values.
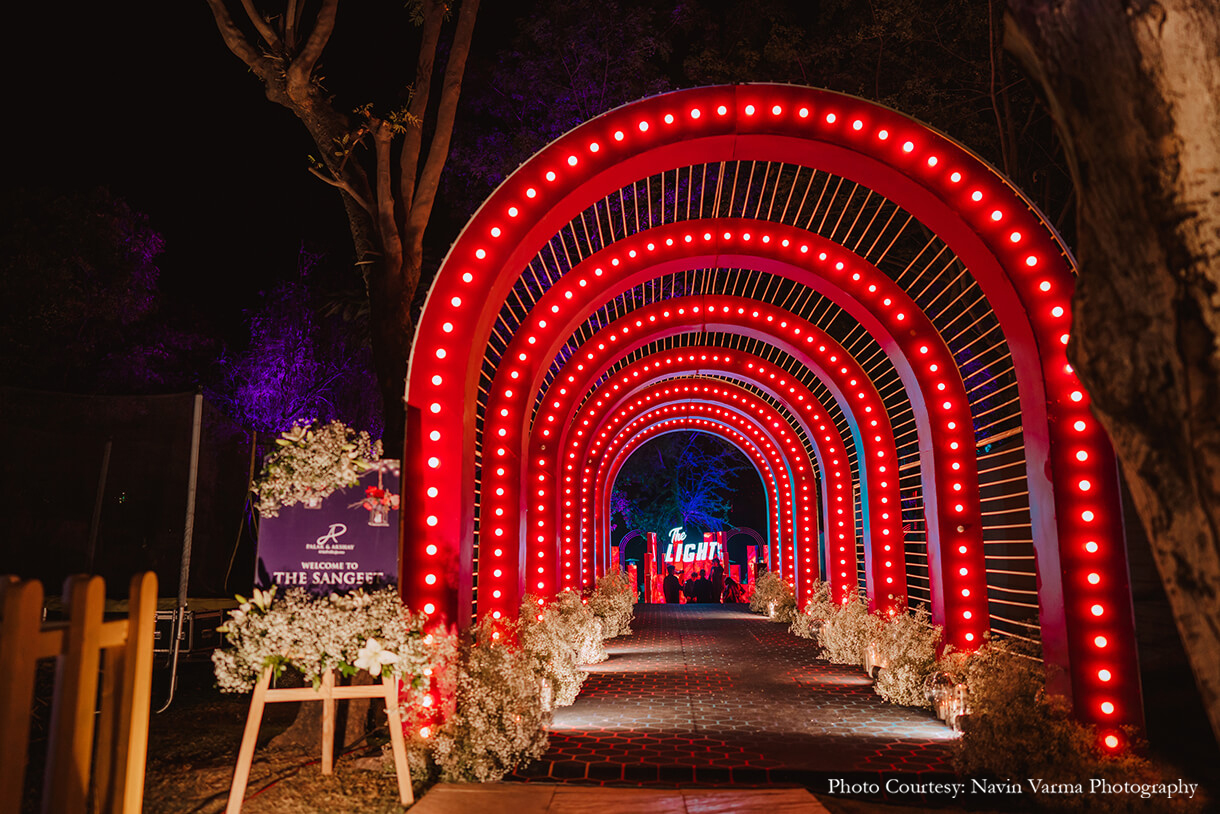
(686, 416)
(1015, 258)
(828, 446)
(918, 352)
(844, 377)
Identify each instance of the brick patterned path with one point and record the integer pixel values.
(712, 694)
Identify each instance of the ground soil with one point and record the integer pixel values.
(193, 746)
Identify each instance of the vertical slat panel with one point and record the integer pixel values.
(22, 616)
(131, 750)
(67, 777)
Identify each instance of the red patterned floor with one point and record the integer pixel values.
(712, 694)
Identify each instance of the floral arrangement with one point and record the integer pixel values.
(557, 639)
(309, 463)
(1012, 729)
(613, 602)
(1017, 730)
(774, 597)
(906, 646)
(376, 496)
(848, 631)
(497, 722)
(358, 631)
(817, 610)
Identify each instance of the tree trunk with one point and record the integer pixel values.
(1134, 88)
(352, 723)
(390, 320)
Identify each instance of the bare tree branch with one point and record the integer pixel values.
(384, 190)
(292, 16)
(236, 41)
(340, 184)
(438, 151)
(301, 69)
(434, 15)
(995, 107)
(264, 30)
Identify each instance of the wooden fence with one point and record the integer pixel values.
(94, 761)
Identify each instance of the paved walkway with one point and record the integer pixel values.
(712, 694)
(540, 798)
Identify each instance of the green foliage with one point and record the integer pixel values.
(1016, 730)
(497, 722)
(848, 631)
(774, 597)
(906, 646)
(613, 603)
(680, 479)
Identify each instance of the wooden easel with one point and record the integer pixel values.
(328, 694)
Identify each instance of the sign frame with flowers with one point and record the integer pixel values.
(350, 541)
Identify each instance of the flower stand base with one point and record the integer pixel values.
(328, 694)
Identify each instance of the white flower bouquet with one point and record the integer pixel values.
(613, 602)
(774, 597)
(309, 463)
(358, 631)
(558, 638)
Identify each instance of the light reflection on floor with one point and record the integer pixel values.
(714, 694)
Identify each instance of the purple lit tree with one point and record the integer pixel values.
(305, 362)
(81, 308)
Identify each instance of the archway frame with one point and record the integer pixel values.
(1083, 593)
(828, 449)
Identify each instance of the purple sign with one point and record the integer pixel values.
(349, 541)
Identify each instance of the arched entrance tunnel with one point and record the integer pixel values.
(873, 315)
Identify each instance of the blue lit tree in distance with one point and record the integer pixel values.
(684, 479)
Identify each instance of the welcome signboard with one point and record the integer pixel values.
(350, 541)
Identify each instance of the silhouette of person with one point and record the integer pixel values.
(690, 590)
(732, 591)
(717, 581)
(672, 587)
(703, 587)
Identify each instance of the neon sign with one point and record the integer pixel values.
(680, 551)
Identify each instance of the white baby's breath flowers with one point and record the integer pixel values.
(315, 634)
(613, 602)
(775, 597)
(311, 462)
